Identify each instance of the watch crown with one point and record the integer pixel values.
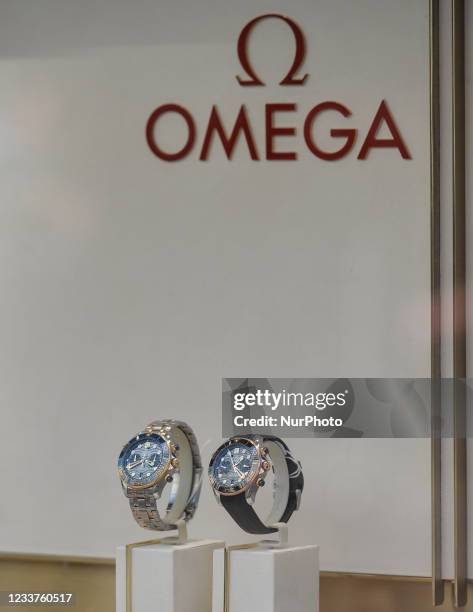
(265, 466)
(175, 462)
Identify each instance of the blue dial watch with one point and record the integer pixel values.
(238, 469)
(164, 453)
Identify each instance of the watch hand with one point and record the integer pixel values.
(239, 472)
(134, 464)
(231, 459)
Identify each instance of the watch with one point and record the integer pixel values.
(165, 452)
(237, 470)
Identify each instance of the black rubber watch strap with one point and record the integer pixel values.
(296, 480)
(243, 514)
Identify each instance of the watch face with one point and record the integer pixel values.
(143, 460)
(234, 466)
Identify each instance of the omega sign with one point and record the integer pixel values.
(242, 129)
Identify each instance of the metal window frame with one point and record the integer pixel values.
(459, 303)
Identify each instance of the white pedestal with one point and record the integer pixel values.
(268, 580)
(167, 578)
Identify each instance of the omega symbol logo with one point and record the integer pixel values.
(242, 48)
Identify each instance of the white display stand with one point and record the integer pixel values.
(267, 579)
(167, 577)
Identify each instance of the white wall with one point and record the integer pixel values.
(130, 286)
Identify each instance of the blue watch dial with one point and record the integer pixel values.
(233, 466)
(143, 459)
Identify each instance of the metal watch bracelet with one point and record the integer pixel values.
(144, 506)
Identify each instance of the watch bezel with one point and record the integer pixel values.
(160, 473)
(254, 474)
